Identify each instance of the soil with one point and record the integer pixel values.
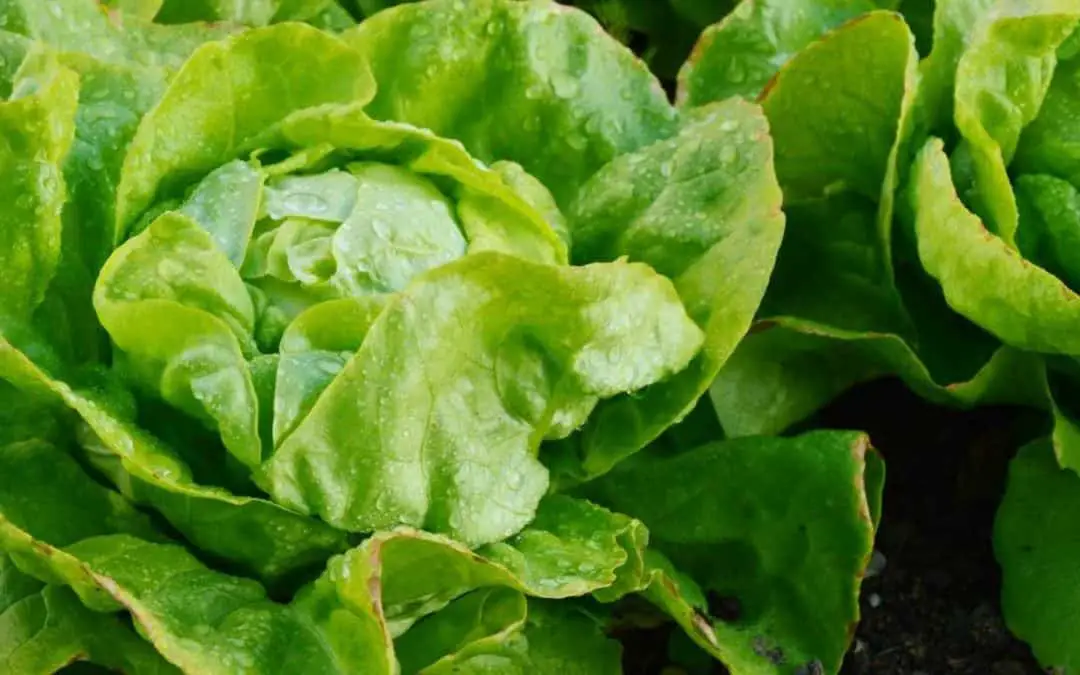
(933, 610)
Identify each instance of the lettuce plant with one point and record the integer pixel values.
(334, 348)
(951, 267)
(378, 337)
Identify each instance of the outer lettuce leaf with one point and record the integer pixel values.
(740, 54)
(558, 95)
(37, 125)
(200, 620)
(1035, 543)
(251, 12)
(789, 368)
(257, 534)
(143, 9)
(845, 142)
(514, 350)
(123, 66)
(173, 274)
(269, 73)
(81, 27)
(703, 209)
(789, 537)
(553, 639)
(574, 548)
(207, 622)
(45, 628)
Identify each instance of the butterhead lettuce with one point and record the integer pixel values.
(326, 348)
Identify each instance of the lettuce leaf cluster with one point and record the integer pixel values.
(377, 337)
(338, 347)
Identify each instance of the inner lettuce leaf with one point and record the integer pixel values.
(532, 82)
(436, 421)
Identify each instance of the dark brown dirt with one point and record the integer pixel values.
(934, 608)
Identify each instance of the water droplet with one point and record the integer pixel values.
(381, 229)
(736, 72)
(665, 169)
(728, 125)
(56, 10)
(728, 154)
(303, 202)
(170, 269)
(577, 141)
(534, 91)
(565, 85)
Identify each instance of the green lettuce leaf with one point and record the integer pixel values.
(251, 12)
(740, 54)
(269, 73)
(46, 627)
(198, 619)
(123, 67)
(255, 533)
(991, 283)
(787, 369)
(1049, 145)
(393, 584)
(552, 639)
(532, 82)
(788, 537)
(1035, 544)
(703, 209)
(515, 350)
(37, 122)
(834, 276)
(990, 111)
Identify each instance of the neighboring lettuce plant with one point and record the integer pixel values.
(930, 229)
(332, 349)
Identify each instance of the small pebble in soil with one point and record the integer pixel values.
(876, 565)
(874, 600)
